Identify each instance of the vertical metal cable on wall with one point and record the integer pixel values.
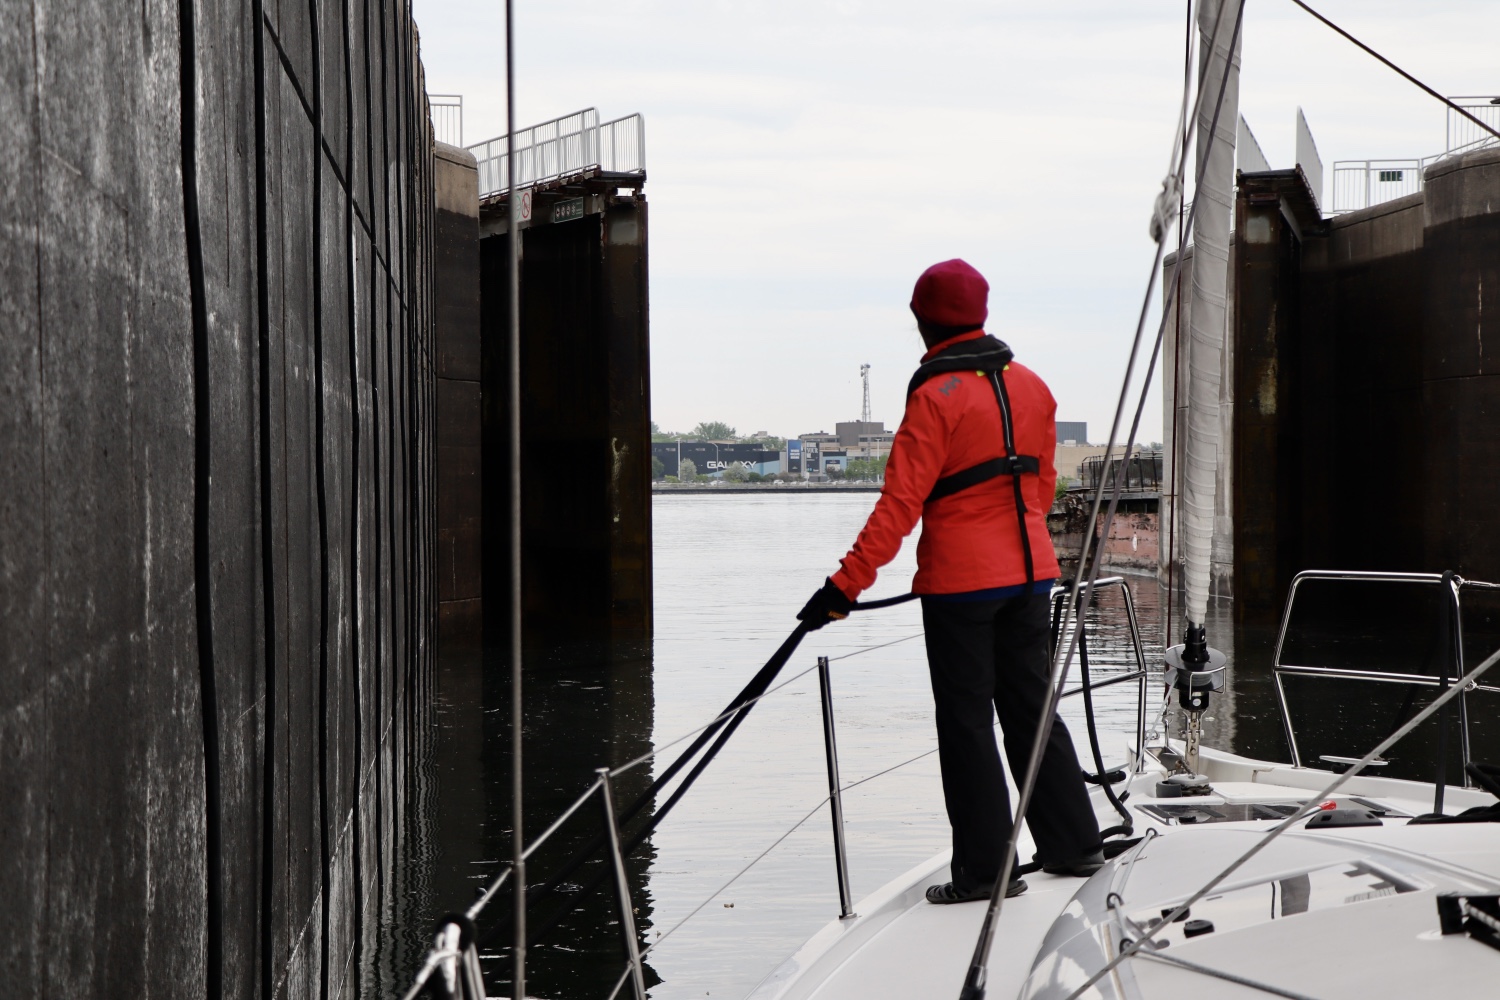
(353, 595)
(321, 488)
(202, 486)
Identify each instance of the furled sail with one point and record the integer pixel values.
(1214, 199)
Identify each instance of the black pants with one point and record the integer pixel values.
(995, 653)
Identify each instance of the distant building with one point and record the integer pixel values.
(1072, 432)
(711, 458)
(851, 432)
(865, 438)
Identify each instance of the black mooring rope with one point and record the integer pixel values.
(719, 732)
(1127, 827)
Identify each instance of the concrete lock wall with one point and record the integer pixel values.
(585, 394)
(1366, 374)
(456, 337)
(1460, 362)
(216, 542)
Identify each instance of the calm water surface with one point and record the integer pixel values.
(731, 571)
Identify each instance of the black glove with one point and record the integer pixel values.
(828, 604)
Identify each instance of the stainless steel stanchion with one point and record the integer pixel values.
(622, 887)
(835, 796)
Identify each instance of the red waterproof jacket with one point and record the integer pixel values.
(970, 540)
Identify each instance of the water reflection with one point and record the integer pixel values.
(586, 706)
(395, 880)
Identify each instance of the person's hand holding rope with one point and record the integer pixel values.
(828, 604)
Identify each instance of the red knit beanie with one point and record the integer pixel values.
(951, 294)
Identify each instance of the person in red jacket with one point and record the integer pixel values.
(973, 459)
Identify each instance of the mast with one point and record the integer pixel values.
(1193, 668)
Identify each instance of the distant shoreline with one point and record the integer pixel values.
(743, 488)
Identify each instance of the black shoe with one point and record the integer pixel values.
(946, 893)
(1079, 867)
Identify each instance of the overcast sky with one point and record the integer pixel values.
(806, 160)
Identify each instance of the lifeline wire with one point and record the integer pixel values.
(852, 785)
(788, 833)
(974, 981)
(1409, 78)
(656, 751)
(773, 665)
(1228, 977)
(1312, 805)
(756, 860)
(734, 714)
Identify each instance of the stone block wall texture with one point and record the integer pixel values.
(208, 800)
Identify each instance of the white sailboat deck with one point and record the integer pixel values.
(1345, 911)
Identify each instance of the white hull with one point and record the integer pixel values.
(1339, 912)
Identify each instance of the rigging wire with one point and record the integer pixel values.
(1228, 977)
(657, 751)
(735, 878)
(1403, 73)
(1312, 805)
(1187, 82)
(973, 988)
(513, 486)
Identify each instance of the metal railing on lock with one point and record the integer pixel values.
(447, 111)
(1450, 667)
(622, 145)
(451, 969)
(571, 145)
(1463, 135)
(1359, 184)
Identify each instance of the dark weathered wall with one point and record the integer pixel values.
(456, 339)
(1363, 386)
(1362, 303)
(208, 811)
(1460, 366)
(585, 393)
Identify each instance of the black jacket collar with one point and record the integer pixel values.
(980, 354)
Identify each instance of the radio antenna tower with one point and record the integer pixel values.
(864, 414)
